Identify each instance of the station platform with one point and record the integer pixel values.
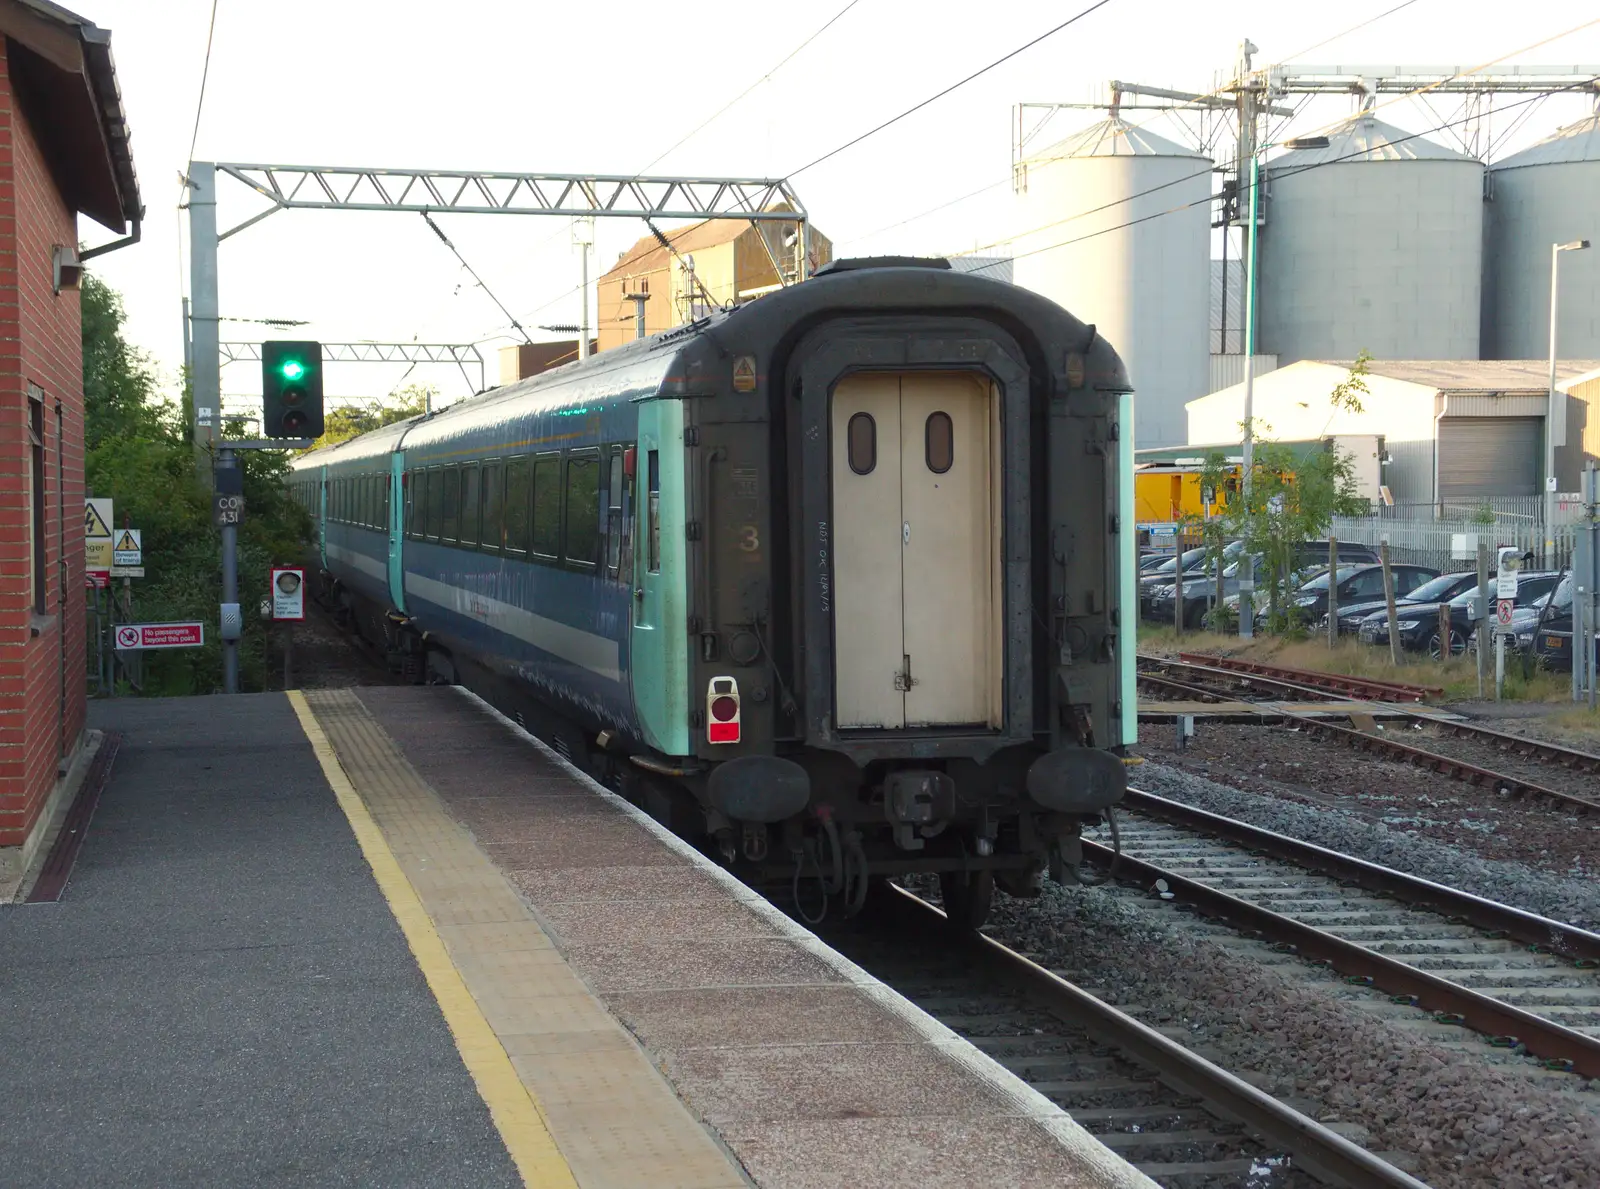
(383, 936)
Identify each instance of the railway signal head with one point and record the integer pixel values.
(291, 390)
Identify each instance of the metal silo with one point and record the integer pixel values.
(1371, 242)
(1541, 196)
(1145, 285)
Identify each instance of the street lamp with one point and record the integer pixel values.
(1552, 410)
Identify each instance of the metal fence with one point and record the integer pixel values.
(1528, 509)
(1430, 542)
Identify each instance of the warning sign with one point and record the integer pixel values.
(128, 548)
(288, 592)
(97, 540)
(135, 636)
(744, 373)
(1502, 612)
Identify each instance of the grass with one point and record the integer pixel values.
(1458, 677)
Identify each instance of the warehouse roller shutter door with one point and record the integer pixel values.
(1489, 456)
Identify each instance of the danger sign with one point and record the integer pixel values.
(133, 637)
(1502, 612)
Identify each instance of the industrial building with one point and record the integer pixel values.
(1452, 430)
(709, 265)
(1368, 238)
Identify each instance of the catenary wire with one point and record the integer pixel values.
(955, 86)
(1400, 98)
(727, 107)
(1215, 93)
(205, 73)
(1292, 171)
(444, 239)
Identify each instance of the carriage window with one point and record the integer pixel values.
(547, 505)
(630, 504)
(450, 503)
(369, 496)
(492, 474)
(861, 443)
(614, 513)
(941, 443)
(653, 496)
(384, 485)
(583, 508)
(519, 472)
(469, 503)
(436, 485)
(410, 481)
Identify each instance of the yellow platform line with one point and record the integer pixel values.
(517, 1115)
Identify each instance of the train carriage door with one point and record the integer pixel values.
(950, 561)
(917, 638)
(396, 507)
(868, 619)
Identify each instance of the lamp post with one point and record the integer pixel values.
(1552, 409)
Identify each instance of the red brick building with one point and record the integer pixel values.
(63, 152)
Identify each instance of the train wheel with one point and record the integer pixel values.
(967, 897)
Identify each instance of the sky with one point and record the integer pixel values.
(486, 85)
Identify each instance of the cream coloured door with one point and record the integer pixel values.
(915, 552)
(867, 529)
(949, 560)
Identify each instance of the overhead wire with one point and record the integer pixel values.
(1328, 127)
(737, 99)
(444, 239)
(1293, 171)
(955, 86)
(1214, 93)
(205, 73)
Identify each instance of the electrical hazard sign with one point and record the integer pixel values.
(97, 541)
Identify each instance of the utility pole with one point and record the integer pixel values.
(1555, 411)
(204, 353)
(583, 236)
(1248, 152)
(230, 623)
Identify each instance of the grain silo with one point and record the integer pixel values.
(1371, 241)
(1143, 284)
(1547, 194)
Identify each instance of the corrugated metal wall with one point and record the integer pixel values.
(1481, 456)
(1228, 370)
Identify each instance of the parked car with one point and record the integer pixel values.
(1419, 622)
(1551, 637)
(1356, 584)
(1200, 582)
(1193, 562)
(1442, 588)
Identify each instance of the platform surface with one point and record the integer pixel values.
(222, 996)
(383, 937)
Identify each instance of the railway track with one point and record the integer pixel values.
(1523, 983)
(1459, 750)
(1183, 1121)
(1360, 687)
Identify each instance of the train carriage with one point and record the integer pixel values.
(835, 580)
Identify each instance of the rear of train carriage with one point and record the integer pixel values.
(855, 554)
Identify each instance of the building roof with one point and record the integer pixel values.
(1474, 375)
(1575, 142)
(66, 81)
(647, 254)
(1115, 137)
(1364, 137)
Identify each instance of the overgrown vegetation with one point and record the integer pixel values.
(139, 452)
(350, 421)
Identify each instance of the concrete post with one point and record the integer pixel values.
(204, 351)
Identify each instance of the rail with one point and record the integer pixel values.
(1495, 1019)
(1364, 687)
(1324, 1153)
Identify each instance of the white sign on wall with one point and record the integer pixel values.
(288, 592)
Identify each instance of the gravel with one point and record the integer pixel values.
(1460, 1121)
(1384, 832)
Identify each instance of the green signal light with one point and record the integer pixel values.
(292, 369)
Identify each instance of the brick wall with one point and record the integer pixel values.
(40, 345)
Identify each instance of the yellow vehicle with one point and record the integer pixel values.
(1164, 493)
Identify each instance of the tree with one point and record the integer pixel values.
(138, 451)
(351, 421)
(1293, 498)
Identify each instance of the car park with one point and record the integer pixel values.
(1442, 588)
(1356, 584)
(1419, 622)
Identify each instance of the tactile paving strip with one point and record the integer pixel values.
(614, 1118)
